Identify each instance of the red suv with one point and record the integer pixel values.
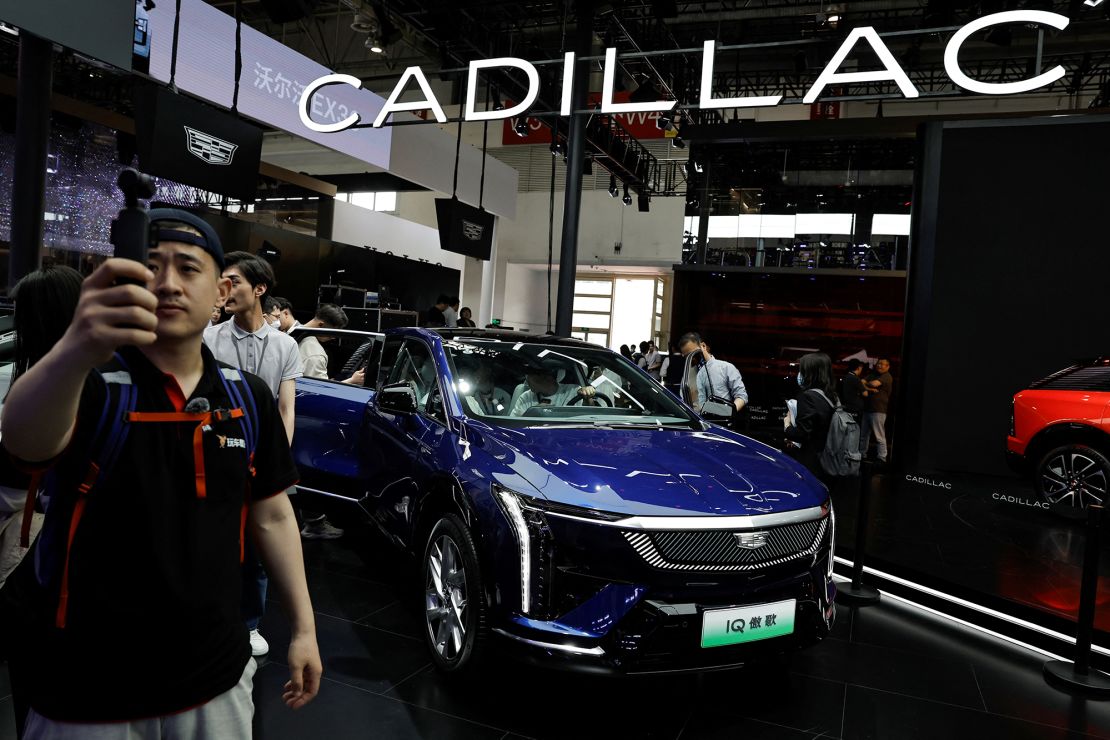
(1060, 432)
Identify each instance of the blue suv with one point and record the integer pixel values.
(565, 506)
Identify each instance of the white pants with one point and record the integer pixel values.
(227, 717)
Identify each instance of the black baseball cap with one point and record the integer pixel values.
(208, 240)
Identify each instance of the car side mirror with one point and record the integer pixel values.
(398, 398)
(716, 410)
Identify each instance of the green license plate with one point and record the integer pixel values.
(747, 623)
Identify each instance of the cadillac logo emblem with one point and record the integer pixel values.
(750, 540)
(208, 148)
(472, 231)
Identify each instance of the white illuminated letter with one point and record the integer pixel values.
(891, 69)
(428, 103)
(707, 100)
(952, 52)
(306, 101)
(568, 83)
(493, 115)
(607, 104)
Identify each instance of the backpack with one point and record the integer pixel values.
(841, 455)
(112, 430)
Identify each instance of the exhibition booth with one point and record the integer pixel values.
(641, 185)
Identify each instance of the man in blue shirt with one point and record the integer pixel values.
(716, 378)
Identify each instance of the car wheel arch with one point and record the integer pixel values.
(1066, 433)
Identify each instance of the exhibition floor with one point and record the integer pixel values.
(890, 671)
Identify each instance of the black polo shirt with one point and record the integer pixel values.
(152, 625)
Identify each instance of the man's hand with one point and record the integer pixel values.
(587, 391)
(111, 315)
(357, 378)
(739, 403)
(305, 670)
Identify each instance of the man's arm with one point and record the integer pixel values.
(275, 532)
(41, 409)
(286, 397)
(736, 388)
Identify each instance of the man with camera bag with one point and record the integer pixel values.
(162, 462)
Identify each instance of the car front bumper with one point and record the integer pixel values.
(662, 632)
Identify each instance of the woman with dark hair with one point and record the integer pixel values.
(45, 301)
(809, 427)
(626, 351)
(465, 319)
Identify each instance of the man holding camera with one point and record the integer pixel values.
(150, 544)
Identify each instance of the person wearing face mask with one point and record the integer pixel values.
(271, 311)
(809, 427)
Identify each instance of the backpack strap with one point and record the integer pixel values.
(120, 399)
(236, 387)
(202, 420)
(827, 399)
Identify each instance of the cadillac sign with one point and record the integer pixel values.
(208, 148)
(891, 71)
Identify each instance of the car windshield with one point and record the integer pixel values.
(533, 384)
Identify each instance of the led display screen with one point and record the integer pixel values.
(101, 29)
(274, 76)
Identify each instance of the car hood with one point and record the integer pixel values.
(658, 472)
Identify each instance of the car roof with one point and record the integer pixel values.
(501, 335)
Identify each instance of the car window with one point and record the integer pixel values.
(334, 355)
(526, 383)
(414, 365)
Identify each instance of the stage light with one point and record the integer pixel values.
(627, 199)
(663, 121)
(613, 186)
(521, 127)
(678, 143)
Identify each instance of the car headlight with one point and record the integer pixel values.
(527, 517)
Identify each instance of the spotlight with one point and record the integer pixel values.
(663, 121)
(498, 104)
(521, 127)
(556, 148)
(627, 199)
(678, 143)
(374, 43)
(588, 166)
(643, 203)
(613, 186)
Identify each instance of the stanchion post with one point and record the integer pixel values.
(1078, 677)
(856, 593)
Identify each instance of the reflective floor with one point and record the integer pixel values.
(888, 672)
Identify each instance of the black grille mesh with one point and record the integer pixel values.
(723, 548)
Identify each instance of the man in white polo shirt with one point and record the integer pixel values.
(249, 343)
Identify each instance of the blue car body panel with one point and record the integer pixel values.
(600, 594)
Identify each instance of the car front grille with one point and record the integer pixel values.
(724, 550)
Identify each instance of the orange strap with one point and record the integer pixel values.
(29, 509)
(244, 512)
(78, 512)
(201, 419)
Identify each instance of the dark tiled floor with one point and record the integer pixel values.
(887, 672)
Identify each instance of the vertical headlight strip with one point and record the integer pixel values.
(510, 504)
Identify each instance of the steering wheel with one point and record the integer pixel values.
(596, 396)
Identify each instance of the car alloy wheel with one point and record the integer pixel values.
(454, 607)
(1074, 475)
(445, 598)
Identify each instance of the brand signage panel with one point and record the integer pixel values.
(273, 81)
(464, 229)
(187, 141)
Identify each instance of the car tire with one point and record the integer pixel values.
(455, 623)
(1075, 475)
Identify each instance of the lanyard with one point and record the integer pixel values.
(242, 366)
